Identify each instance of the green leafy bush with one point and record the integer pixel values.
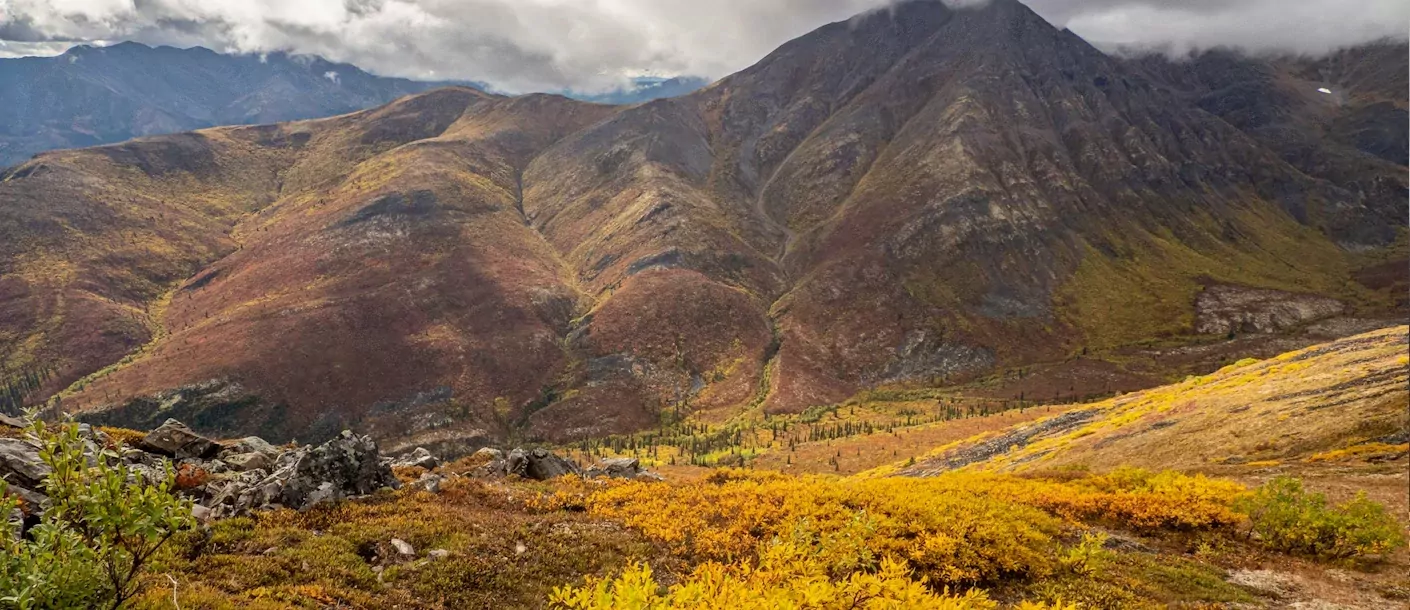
(96, 534)
(1290, 519)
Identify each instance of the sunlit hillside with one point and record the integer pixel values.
(1067, 518)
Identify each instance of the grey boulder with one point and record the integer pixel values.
(538, 464)
(345, 467)
(20, 463)
(420, 458)
(174, 439)
(249, 444)
(242, 462)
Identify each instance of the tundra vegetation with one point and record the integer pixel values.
(1025, 528)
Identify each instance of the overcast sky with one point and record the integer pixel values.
(522, 45)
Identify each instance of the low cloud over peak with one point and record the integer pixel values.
(523, 45)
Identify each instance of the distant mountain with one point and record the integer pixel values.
(99, 95)
(909, 199)
(644, 89)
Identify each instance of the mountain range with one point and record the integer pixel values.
(101, 95)
(915, 197)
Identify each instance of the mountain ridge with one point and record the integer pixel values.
(917, 196)
(92, 95)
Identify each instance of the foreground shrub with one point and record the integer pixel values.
(95, 536)
(793, 573)
(1290, 519)
(950, 537)
(1127, 497)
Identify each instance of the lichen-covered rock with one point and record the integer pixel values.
(617, 468)
(429, 482)
(241, 462)
(20, 463)
(419, 458)
(175, 439)
(346, 467)
(494, 455)
(247, 445)
(537, 464)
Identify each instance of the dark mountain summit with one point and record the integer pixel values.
(917, 196)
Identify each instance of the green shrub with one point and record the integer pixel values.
(94, 537)
(1290, 519)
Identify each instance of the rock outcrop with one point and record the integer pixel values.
(174, 439)
(20, 464)
(1224, 309)
(620, 468)
(537, 464)
(418, 458)
(346, 467)
(227, 479)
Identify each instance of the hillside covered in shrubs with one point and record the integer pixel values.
(530, 529)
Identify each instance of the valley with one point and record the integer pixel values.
(866, 209)
(936, 307)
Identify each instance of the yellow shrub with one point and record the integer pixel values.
(949, 536)
(959, 528)
(1358, 452)
(715, 586)
(1129, 497)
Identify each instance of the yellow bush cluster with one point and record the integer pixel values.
(1129, 497)
(960, 527)
(950, 536)
(790, 574)
(1358, 452)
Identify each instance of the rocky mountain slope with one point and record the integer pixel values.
(1347, 397)
(914, 197)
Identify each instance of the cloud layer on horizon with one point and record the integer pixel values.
(524, 45)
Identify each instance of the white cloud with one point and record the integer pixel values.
(520, 45)
(331, 75)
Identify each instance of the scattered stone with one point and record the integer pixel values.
(349, 464)
(616, 468)
(520, 549)
(1222, 308)
(420, 458)
(403, 547)
(249, 444)
(20, 463)
(11, 422)
(32, 500)
(538, 464)
(429, 482)
(493, 454)
(201, 513)
(1277, 584)
(94, 435)
(207, 466)
(241, 462)
(346, 467)
(439, 554)
(176, 440)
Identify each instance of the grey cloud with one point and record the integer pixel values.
(521, 45)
